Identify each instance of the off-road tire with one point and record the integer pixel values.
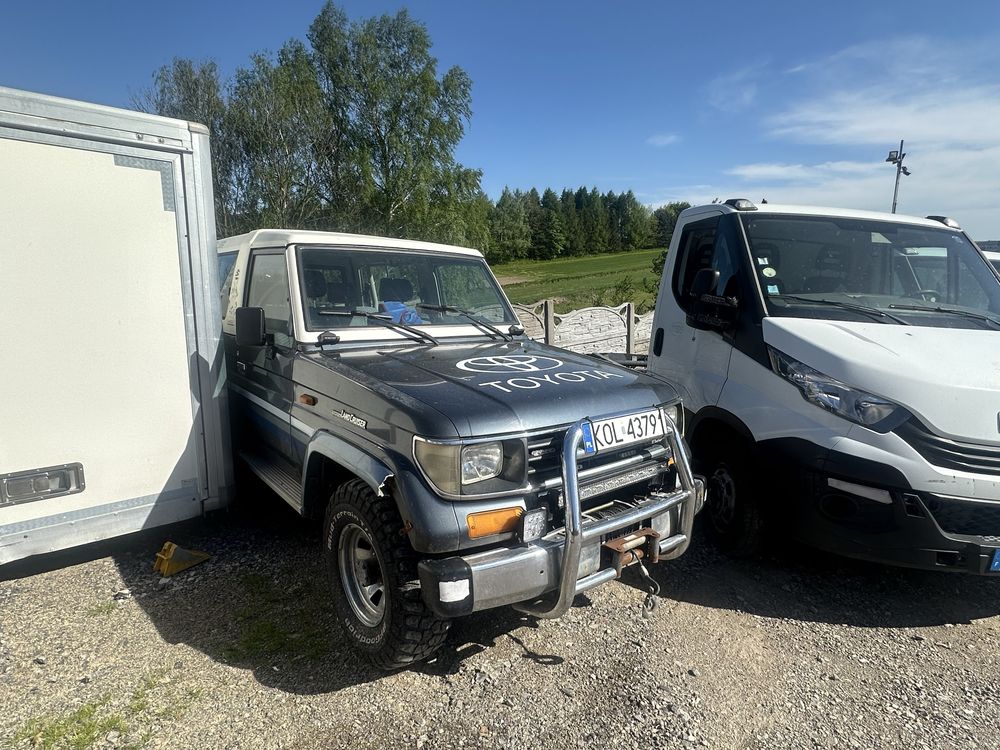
(739, 530)
(408, 631)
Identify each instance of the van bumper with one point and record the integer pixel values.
(864, 509)
(542, 577)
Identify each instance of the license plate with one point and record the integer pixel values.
(995, 565)
(613, 433)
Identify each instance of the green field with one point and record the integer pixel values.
(580, 282)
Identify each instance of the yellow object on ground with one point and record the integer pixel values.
(173, 559)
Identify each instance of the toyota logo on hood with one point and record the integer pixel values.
(509, 363)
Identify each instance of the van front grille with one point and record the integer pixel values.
(950, 454)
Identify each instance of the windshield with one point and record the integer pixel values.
(340, 285)
(831, 267)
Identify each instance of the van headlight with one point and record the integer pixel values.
(472, 469)
(875, 412)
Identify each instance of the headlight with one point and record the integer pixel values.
(481, 461)
(486, 468)
(875, 412)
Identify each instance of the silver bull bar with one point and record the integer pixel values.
(577, 533)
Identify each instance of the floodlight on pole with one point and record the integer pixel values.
(896, 157)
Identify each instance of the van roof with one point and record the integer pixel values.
(285, 237)
(848, 213)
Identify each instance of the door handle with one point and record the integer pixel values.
(658, 342)
(241, 367)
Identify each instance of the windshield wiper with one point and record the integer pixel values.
(469, 315)
(385, 320)
(873, 311)
(939, 309)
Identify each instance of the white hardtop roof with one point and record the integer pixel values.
(285, 237)
(847, 213)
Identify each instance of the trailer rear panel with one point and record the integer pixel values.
(114, 413)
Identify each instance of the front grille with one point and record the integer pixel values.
(950, 454)
(975, 518)
(545, 463)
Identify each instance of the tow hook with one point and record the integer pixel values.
(631, 549)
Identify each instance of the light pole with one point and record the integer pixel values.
(896, 157)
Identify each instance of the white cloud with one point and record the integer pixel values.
(663, 139)
(942, 98)
(799, 172)
(736, 91)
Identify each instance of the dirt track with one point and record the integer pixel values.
(242, 652)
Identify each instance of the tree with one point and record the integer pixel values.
(406, 121)
(666, 220)
(187, 90)
(594, 221)
(275, 113)
(509, 228)
(634, 222)
(553, 236)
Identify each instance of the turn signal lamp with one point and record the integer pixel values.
(490, 522)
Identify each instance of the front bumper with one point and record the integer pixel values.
(864, 509)
(543, 577)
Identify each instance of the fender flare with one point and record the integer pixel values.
(373, 471)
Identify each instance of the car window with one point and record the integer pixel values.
(340, 285)
(707, 244)
(269, 290)
(867, 262)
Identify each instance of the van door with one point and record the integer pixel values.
(697, 361)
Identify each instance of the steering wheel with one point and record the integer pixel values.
(927, 295)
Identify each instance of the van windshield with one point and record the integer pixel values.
(345, 287)
(843, 268)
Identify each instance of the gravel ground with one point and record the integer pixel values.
(243, 651)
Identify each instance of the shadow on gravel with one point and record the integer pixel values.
(261, 602)
(813, 586)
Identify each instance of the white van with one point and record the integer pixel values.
(841, 377)
(993, 257)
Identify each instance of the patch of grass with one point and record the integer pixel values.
(577, 282)
(279, 623)
(102, 610)
(148, 705)
(76, 730)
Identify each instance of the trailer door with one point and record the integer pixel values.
(101, 433)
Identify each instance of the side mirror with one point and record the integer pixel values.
(516, 329)
(709, 311)
(250, 326)
(704, 282)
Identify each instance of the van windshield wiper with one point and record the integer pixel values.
(872, 311)
(385, 320)
(953, 311)
(470, 316)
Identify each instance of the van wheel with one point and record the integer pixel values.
(732, 507)
(373, 574)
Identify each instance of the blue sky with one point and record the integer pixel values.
(795, 101)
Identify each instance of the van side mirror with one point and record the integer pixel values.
(250, 326)
(704, 282)
(709, 311)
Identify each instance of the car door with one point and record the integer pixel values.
(263, 373)
(697, 361)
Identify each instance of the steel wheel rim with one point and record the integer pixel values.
(361, 575)
(722, 498)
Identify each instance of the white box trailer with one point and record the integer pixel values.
(113, 413)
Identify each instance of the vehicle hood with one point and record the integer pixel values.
(501, 387)
(948, 377)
